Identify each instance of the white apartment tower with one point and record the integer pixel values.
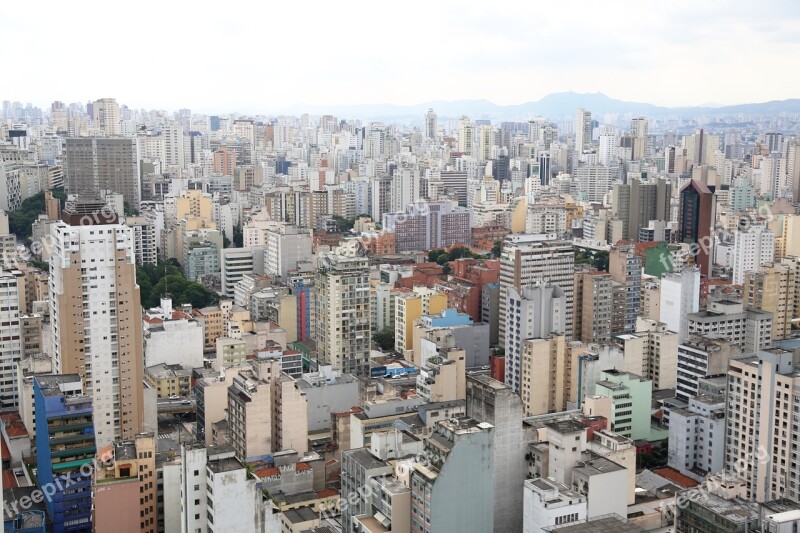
(527, 259)
(534, 312)
(96, 316)
(11, 345)
(679, 296)
(583, 129)
(752, 249)
(762, 438)
(173, 144)
(430, 125)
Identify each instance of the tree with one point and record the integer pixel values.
(384, 338)
(343, 225)
(497, 249)
(20, 221)
(433, 255)
(167, 278)
(238, 236)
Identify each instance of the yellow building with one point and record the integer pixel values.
(409, 307)
(124, 485)
(773, 289)
(549, 374)
(169, 380)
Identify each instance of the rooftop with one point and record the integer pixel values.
(601, 524)
(228, 464)
(569, 425)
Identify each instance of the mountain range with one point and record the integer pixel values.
(554, 106)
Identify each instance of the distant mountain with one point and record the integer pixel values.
(554, 106)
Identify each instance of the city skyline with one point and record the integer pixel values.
(634, 52)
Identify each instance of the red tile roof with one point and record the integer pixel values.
(302, 467)
(9, 480)
(676, 477)
(13, 425)
(327, 493)
(268, 472)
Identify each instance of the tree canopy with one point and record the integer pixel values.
(20, 221)
(598, 259)
(167, 278)
(443, 257)
(384, 338)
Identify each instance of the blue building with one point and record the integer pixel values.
(65, 450)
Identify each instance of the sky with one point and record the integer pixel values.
(262, 57)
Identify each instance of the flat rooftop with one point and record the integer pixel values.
(228, 464)
(601, 524)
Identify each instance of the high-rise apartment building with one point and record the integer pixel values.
(96, 315)
(461, 462)
(773, 289)
(752, 249)
(593, 182)
(65, 449)
(106, 116)
(696, 219)
(679, 296)
(489, 400)
(173, 144)
(762, 438)
(526, 259)
(410, 307)
(549, 376)
(637, 203)
(751, 329)
(592, 311)
(94, 164)
(144, 240)
(625, 268)
(431, 125)
(11, 346)
(466, 136)
(287, 246)
(583, 129)
(342, 311)
(533, 312)
(428, 226)
(702, 357)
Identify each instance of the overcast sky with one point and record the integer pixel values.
(260, 56)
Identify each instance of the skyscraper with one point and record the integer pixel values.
(637, 203)
(11, 344)
(430, 125)
(342, 310)
(532, 312)
(696, 217)
(762, 397)
(583, 130)
(526, 259)
(466, 136)
(64, 449)
(96, 164)
(105, 115)
(96, 315)
(592, 312)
